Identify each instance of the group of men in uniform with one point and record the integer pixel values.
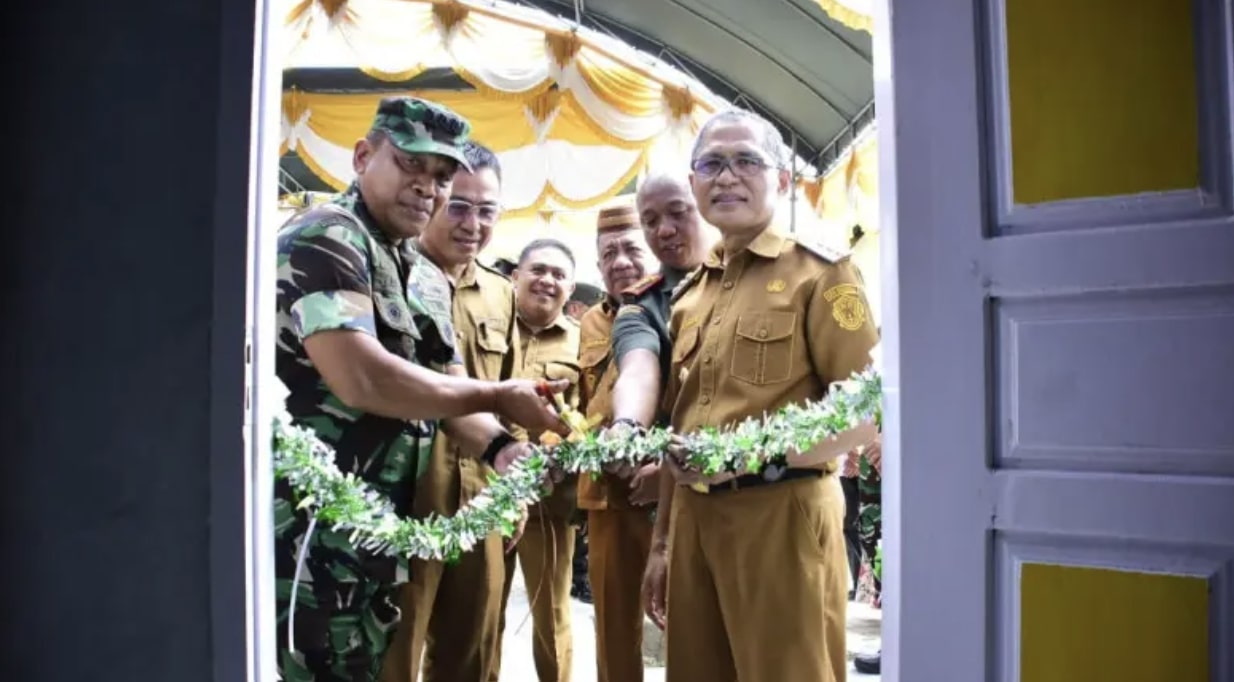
(420, 366)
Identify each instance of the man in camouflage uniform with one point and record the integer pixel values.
(366, 352)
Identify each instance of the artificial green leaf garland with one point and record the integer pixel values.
(345, 502)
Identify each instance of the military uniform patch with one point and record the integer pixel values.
(643, 285)
(775, 286)
(847, 306)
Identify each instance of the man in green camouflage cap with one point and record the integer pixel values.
(366, 351)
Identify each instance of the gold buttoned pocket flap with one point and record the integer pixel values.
(394, 313)
(557, 371)
(594, 353)
(491, 336)
(685, 344)
(763, 351)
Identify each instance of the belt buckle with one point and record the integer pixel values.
(774, 472)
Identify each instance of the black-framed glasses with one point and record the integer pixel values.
(459, 209)
(742, 165)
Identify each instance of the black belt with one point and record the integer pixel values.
(769, 475)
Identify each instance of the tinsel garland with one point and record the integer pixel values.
(345, 502)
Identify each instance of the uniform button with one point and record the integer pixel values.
(762, 333)
(715, 321)
(705, 399)
(728, 284)
(707, 361)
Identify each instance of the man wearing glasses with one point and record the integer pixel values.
(451, 614)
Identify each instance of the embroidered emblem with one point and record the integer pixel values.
(775, 286)
(690, 323)
(596, 343)
(847, 306)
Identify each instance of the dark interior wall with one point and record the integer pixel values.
(130, 144)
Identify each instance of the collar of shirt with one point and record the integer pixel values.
(767, 244)
(468, 278)
(558, 324)
(671, 278)
(351, 199)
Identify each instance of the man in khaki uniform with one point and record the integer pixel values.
(549, 342)
(619, 531)
(758, 584)
(451, 614)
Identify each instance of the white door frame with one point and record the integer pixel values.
(242, 349)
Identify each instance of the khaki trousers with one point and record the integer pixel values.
(546, 553)
(451, 616)
(618, 543)
(758, 584)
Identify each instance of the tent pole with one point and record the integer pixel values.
(792, 188)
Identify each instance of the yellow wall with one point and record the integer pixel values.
(1096, 625)
(1103, 97)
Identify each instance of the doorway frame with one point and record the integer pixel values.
(241, 489)
(241, 549)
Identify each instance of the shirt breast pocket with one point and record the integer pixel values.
(492, 344)
(397, 330)
(561, 371)
(763, 347)
(592, 360)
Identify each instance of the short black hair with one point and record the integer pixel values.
(537, 244)
(480, 157)
(770, 138)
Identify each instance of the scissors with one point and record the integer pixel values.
(568, 415)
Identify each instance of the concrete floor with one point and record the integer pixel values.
(864, 623)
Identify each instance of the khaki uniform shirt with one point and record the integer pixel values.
(773, 326)
(599, 374)
(485, 336)
(551, 353)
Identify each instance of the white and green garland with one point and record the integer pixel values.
(345, 502)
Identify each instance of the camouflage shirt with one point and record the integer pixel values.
(338, 270)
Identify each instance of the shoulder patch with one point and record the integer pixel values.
(684, 285)
(827, 252)
(643, 285)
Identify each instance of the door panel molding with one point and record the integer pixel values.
(1014, 549)
(1212, 198)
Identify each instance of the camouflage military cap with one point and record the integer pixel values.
(419, 126)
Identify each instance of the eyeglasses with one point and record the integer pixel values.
(459, 209)
(742, 165)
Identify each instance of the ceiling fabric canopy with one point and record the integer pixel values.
(576, 105)
(575, 116)
(855, 14)
(806, 65)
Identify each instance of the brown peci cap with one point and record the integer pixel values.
(617, 219)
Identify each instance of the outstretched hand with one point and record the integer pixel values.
(524, 402)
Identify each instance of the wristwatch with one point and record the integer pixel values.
(494, 446)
